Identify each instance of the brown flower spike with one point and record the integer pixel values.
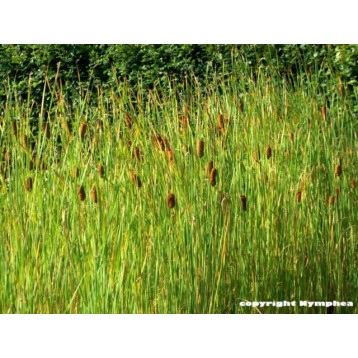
(171, 201)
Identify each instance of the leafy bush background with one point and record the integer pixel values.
(152, 64)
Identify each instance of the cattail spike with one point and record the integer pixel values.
(200, 148)
(243, 202)
(81, 193)
(171, 201)
(213, 174)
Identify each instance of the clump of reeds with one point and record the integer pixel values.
(200, 148)
(324, 112)
(299, 196)
(100, 170)
(29, 184)
(171, 200)
(81, 194)
(82, 130)
(94, 195)
(243, 202)
(213, 175)
(136, 180)
(268, 152)
(209, 167)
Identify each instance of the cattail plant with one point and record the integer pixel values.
(136, 180)
(324, 112)
(170, 156)
(171, 201)
(268, 152)
(159, 141)
(29, 184)
(81, 193)
(338, 170)
(136, 153)
(75, 172)
(353, 184)
(291, 136)
(341, 89)
(100, 170)
(209, 167)
(220, 122)
(331, 200)
(241, 105)
(82, 130)
(243, 202)
(25, 140)
(213, 175)
(128, 121)
(94, 195)
(299, 196)
(200, 148)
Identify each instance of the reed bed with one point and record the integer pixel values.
(235, 226)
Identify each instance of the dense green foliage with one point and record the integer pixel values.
(151, 64)
(293, 160)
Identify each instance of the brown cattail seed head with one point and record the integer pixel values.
(136, 180)
(324, 112)
(25, 140)
(136, 153)
(82, 130)
(299, 196)
(291, 137)
(159, 141)
(209, 167)
(81, 193)
(75, 172)
(170, 156)
(243, 202)
(213, 174)
(241, 105)
(220, 121)
(100, 124)
(171, 201)
(268, 152)
(338, 170)
(256, 157)
(200, 148)
(100, 170)
(341, 89)
(31, 165)
(94, 195)
(331, 200)
(29, 184)
(353, 184)
(128, 121)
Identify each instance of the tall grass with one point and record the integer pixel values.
(266, 230)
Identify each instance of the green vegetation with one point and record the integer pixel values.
(277, 220)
